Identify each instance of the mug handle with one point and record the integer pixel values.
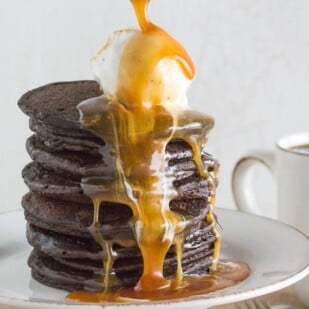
(242, 179)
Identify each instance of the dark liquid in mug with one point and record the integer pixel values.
(303, 149)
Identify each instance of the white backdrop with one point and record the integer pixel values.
(252, 59)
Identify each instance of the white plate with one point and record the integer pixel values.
(277, 254)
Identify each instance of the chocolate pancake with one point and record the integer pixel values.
(56, 257)
(74, 218)
(78, 163)
(52, 173)
(46, 182)
(70, 277)
(65, 140)
(55, 104)
(65, 254)
(64, 246)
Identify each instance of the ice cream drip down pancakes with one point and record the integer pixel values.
(148, 230)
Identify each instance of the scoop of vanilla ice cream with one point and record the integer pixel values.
(175, 84)
(105, 67)
(105, 63)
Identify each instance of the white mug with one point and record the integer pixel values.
(289, 164)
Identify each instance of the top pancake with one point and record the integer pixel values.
(55, 104)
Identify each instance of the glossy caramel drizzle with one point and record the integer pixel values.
(140, 180)
(140, 58)
(170, 47)
(136, 129)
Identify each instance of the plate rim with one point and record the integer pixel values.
(195, 300)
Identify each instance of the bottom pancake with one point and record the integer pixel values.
(55, 274)
(72, 263)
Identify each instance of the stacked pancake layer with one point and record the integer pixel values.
(59, 215)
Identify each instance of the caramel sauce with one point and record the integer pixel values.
(228, 274)
(140, 58)
(136, 129)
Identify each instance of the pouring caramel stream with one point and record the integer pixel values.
(140, 58)
(136, 129)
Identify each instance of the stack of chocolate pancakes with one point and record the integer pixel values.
(59, 215)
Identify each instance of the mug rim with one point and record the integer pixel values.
(287, 142)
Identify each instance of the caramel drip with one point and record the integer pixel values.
(140, 180)
(211, 218)
(136, 129)
(109, 277)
